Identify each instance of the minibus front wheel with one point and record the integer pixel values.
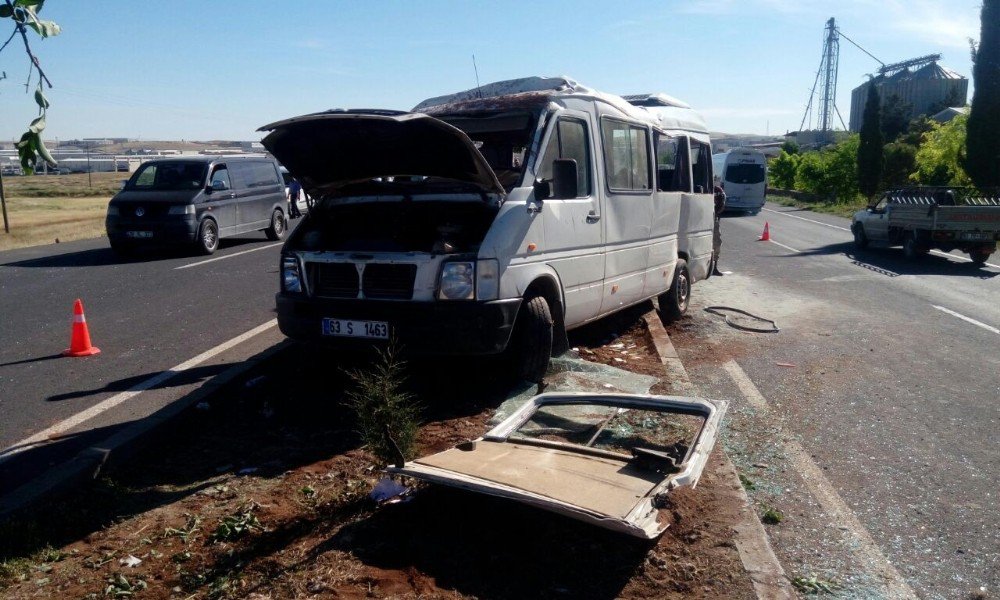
(533, 331)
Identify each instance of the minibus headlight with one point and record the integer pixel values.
(181, 209)
(112, 210)
(487, 279)
(291, 277)
(458, 280)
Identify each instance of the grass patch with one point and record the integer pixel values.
(63, 186)
(840, 209)
(748, 483)
(772, 516)
(42, 209)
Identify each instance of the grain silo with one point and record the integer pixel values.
(921, 83)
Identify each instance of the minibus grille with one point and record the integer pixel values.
(389, 281)
(333, 280)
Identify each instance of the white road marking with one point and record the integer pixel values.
(810, 220)
(203, 262)
(967, 319)
(784, 246)
(113, 401)
(834, 507)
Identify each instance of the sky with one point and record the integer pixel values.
(200, 70)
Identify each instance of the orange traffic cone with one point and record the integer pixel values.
(766, 236)
(79, 344)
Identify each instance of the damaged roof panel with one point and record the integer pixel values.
(603, 458)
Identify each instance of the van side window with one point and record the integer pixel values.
(671, 164)
(701, 167)
(569, 140)
(254, 174)
(221, 173)
(626, 155)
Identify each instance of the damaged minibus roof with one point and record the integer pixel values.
(331, 149)
(606, 459)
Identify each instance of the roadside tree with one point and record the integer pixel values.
(782, 169)
(982, 159)
(870, 145)
(939, 160)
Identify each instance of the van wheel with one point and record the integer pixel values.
(533, 346)
(277, 229)
(208, 237)
(979, 257)
(912, 249)
(674, 302)
(860, 237)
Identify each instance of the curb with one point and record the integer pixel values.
(768, 577)
(87, 463)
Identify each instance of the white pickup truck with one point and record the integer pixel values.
(920, 219)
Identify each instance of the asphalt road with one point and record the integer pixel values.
(879, 396)
(147, 315)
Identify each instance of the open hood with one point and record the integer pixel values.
(607, 459)
(329, 150)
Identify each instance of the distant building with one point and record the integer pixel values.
(950, 113)
(926, 90)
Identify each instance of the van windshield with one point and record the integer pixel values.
(745, 173)
(502, 138)
(169, 176)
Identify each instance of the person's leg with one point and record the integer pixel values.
(716, 245)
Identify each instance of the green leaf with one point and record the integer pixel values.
(6, 11)
(28, 2)
(44, 28)
(45, 154)
(37, 125)
(40, 98)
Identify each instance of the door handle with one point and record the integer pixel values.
(593, 217)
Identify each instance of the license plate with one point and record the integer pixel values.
(976, 236)
(362, 329)
(139, 234)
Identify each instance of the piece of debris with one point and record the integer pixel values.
(130, 561)
(760, 465)
(619, 360)
(389, 491)
(610, 460)
(203, 406)
(780, 364)
(616, 346)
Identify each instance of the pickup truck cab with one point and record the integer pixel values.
(925, 218)
(493, 218)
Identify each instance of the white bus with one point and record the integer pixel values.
(742, 172)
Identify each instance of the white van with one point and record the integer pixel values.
(494, 218)
(742, 173)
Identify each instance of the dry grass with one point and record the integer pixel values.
(35, 221)
(75, 185)
(841, 209)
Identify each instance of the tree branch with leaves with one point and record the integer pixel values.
(24, 15)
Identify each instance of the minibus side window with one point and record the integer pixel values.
(671, 164)
(569, 140)
(626, 155)
(701, 167)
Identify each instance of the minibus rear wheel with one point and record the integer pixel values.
(674, 302)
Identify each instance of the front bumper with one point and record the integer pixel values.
(421, 327)
(179, 230)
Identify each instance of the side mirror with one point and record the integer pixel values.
(124, 183)
(218, 185)
(564, 182)
(543, 190)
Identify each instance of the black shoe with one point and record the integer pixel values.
(717, 273)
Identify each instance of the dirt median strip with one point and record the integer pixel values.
(769, 579)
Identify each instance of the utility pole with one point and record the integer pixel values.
(3, 204)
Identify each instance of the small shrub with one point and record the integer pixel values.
(235, 526)
(772, 516)
(387, 417)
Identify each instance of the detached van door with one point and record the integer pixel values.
(573, 228)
